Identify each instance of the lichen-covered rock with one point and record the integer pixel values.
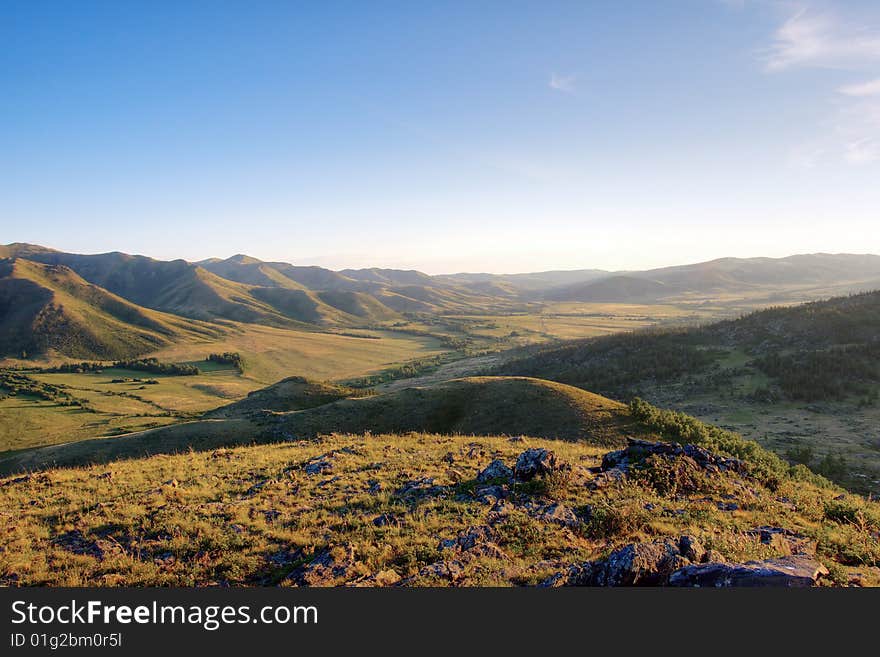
(534, 462)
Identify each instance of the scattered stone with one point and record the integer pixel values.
(490, 494)
(727, 506)
(533, 462)
(785, 541)
(559, 514)
(375, 487)
(381, 578)
(477, 541)
(495, 470)
(318, 465)
(76, 542)
(792, 571)
(329, 567)
(425, 486)
(637, 564)
(450, 570)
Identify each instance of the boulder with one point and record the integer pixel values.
(533, 462)
(792, 572)
(691, 549)
(495, 470)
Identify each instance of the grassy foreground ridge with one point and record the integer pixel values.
(423, 509)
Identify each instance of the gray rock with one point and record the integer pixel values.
(490, 494)
(477, 541)
(533, 462)
(793, 572)
(559, 514)
(691, 549)
(426, 486)
(495, 470)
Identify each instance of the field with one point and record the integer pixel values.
(269, 354)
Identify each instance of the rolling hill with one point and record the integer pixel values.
(772, 279)
(298, 408)
(50, 310)
(245, 289)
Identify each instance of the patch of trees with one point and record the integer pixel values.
(227, 358)
(617, 365)
(830, 374)
(406, 370)
(14, 384)
(153, 366)
(74, 368)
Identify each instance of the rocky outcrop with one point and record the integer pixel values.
(330, 567)
(638, 450)
(685, 562)
(796, 571)
(534, 462)
(474, 541)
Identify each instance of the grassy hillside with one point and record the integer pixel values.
(788, 344)
(50, 310)
(294, 393)
(414, 510)
(470, 406)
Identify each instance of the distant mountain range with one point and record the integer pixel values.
(115, 304)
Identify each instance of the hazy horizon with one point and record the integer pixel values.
(307, 261)
(500, 138)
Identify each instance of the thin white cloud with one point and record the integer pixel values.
(809, 38)
(563, 83)
(869, 88)
(863, 151)
(818, 39)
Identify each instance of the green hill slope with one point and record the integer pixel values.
(50, 310)
(478, 406)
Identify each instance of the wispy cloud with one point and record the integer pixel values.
(869, 88)
(810, 38)
(813, 38)
(863, 151)
(563, 83)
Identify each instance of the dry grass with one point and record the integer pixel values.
(254, 515)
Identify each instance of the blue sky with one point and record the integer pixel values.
(496, 136)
